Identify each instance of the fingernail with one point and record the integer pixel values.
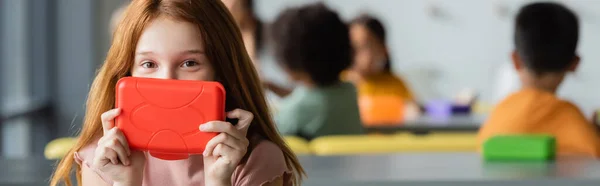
(203, 127)
(204, 153)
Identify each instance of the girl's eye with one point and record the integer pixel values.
(149, 64)
(189, 63)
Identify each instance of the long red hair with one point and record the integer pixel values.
(224, 48)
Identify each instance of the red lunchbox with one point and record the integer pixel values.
(162, 116)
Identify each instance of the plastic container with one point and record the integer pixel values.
(520, 148)
(162, 116)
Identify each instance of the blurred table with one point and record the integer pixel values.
(419, 169)
(446, 169)
(25, 171)
(427, 124)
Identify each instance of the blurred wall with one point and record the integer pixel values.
(74, 61)
(83, 39)
(441, 47)
(48, 57)
(13, 75)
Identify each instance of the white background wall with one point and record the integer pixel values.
(465, 44)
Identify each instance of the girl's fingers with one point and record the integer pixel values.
(227, 153)
(110, 155)
(108, 118)
(245, 119)
(222, 127)
(121, 153)
(225, 139)
(115, 133)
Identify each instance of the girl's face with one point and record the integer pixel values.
(369, 54)
(171, 49)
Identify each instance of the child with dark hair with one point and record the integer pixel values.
(313, 47)
(546, 36)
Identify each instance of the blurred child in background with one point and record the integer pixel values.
(312, 45)
(546, 36)
(379, 89)
(116, 17)
(371, 69)
(253, 32)
(250, 26)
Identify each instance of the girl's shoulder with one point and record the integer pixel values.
(265, 163)
(85, 155)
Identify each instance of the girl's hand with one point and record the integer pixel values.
(113, 156)
(225, 151)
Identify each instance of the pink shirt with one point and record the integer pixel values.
(266, 163)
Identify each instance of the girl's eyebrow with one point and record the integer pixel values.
(192, 51)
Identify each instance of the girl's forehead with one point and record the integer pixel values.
(166, 34)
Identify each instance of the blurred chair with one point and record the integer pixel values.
(58, 148)
(355, 144)
(396, 143)
(298, 145)
(439, 142)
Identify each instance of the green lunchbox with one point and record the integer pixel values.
(520, 147)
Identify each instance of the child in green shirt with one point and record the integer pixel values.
(312, 45)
